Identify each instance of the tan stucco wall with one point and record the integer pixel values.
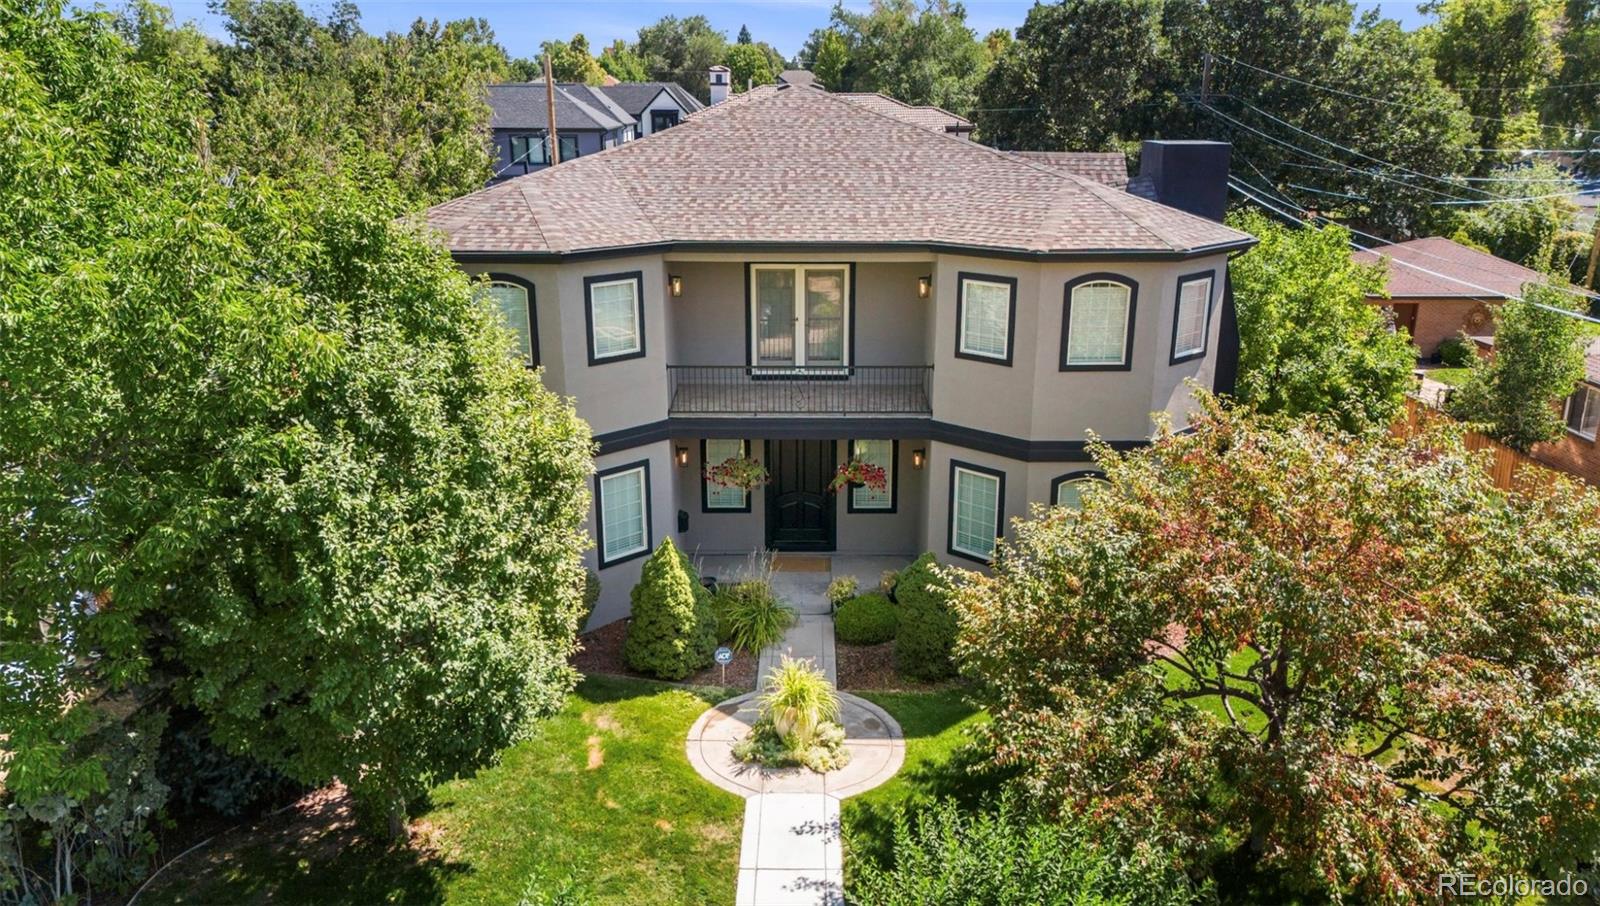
(617, 580)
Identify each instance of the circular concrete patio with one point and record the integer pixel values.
(876, 745)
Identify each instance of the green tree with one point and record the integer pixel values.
(1530, 219)
(1322, 666)
(673, 629)
(1572, 99)
(570, 61)
(830, 54)
(1517, 393)
(926, 56)
(747, 66)
(1498, 55)
(1309, 341)
(744, 34)
(622, 63)
(682, 50)
(262, 453)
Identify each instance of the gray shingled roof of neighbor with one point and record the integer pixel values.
(796, 166)
(1464, 272)
(802, 77)
(634, 97)
(1109, 168)
(927, 116)
(522, 105)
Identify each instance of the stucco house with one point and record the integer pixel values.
(798, 279)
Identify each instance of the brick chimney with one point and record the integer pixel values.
(719, 76)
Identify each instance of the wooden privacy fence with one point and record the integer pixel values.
(1506, 466)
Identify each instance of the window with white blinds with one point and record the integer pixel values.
(510, 302)
(1097, 324)
(879, 453)
(1189, 325)
(624, 528)
(1583, 411)
(1071, 492)
(974, 512)
(985, 328)
(717, 451)
(614, 318)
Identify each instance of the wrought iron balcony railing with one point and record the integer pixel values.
(799, 390)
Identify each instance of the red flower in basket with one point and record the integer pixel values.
(863, 474)
(737, 472)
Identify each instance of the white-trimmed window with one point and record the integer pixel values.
(511, 303)
(1072, 489)
(880, 453)
(800, 315)
(622, 500)
(1583, 411)
(1098, 322)
(986, 305)
(716, 451)
(1190, 319)
(975, 501)
(616, 317)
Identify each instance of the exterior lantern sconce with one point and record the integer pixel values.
(683, 456)
(924, 287)
(675, 284)
(918, 457)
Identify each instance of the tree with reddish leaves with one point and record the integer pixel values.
(1320, 665)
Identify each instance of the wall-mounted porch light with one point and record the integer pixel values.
(675, 284)
(683, 456)
(924, 286)
(918, 457)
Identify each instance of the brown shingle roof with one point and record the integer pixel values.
(799, 166)
(1457, 271)
(1109, 168)
(927, 116)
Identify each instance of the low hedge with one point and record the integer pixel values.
(868, 619)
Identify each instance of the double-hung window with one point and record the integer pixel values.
(976, 496)
(622, 505)
(1583, 411)
(986, 309)
(511, 300)
(880, 453)
(715, 497)
(1097, 323)
(615, 307)
(1191, 317)
(1072, 489)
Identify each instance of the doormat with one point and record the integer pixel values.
(790, 563)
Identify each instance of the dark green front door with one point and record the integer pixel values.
(799, 504)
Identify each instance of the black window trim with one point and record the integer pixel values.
(705, 485)
(894, 480)
(1066, 320)
(588, 314)
(533, 310)
(532, 137)
(1078, 475)
(600, 519)
(1177, 307)
(950, 516)
(962, 278)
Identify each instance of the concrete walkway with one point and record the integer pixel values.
(791, 852)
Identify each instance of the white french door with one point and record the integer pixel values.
(800, 314)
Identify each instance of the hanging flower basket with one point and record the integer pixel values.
(737, 472)
(859, 474)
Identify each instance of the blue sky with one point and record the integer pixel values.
(522, 24)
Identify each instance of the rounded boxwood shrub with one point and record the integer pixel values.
(927, 629)
(865, 620)
(673, 631)
(1457, 352)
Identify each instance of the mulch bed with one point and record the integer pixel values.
(602, 653)
(871, 667)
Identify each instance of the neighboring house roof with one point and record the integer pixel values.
(1109, 168)
(803, 78)
(634, 97)
(1458, 271)
(791, 166)
(522, 105)
(926, 116)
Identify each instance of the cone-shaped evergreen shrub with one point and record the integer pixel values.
(673, 630)
(927, 624)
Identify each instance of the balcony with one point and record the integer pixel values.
(786, 390)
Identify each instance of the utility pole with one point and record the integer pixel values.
(1205, 78)
(1594, 253)
(550, 111)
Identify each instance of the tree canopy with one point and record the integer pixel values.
(919, 56)
(1538, 360)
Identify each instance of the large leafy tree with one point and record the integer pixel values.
(748, 66)
(919, 56)
(1516, 394)
(262, 453)
(622, 64)
(570, 61)
(1573, 99)
(1526, 216)
(1499, 55)
(682, 50)
(1325, 666)
(1309, 341)
(829, 54)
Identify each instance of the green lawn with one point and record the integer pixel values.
(1455, 377)
(602, 794)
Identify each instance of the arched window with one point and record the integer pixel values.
(1097, 323)
(1071, 489)
(512, 299)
